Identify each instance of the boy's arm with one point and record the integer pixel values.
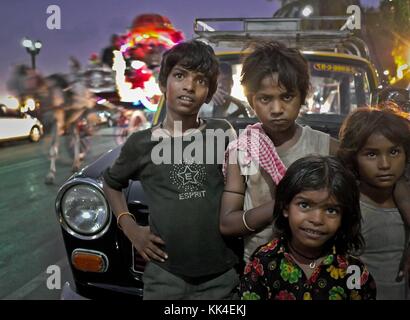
(141, 237)
(231, 221)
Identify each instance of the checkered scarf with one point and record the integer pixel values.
(259, 148)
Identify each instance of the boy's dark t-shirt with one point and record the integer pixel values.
(183, 198)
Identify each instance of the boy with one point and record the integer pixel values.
(276, 83)
(187, 256)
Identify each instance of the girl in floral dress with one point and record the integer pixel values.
(317, 221)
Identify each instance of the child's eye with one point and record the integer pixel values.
(303, 205)
(395, 152)
(203, 82)
(332, 211)
(287, 97)
(371, 155)
(264, 100)
(178, 75)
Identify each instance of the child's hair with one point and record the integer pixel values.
(315, 173)
(274, 57)
(362, 123)
(193, 55)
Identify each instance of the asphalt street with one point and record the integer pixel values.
(30, 235)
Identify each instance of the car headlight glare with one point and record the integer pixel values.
(84, 209)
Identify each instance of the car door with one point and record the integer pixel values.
(14, 126)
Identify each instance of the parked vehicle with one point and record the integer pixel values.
(15, 125)
(399, 96)
(102, 259)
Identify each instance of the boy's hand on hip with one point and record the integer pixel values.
(146, 244)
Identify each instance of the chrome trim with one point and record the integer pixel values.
(68, 293)
(136, 273)
(98, 253)
(116, 288)
(60, 194)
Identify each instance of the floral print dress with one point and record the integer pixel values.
(273, 274)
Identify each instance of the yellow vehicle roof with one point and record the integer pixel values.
(334, 57)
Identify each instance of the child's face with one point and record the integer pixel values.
(186, 91)
(275, 107)
(314, 218)
(380, 162)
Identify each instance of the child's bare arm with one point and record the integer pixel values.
(334, 146)
(231, 222)
(141, 237)
(402, 199)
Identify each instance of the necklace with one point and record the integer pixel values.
(311, 265)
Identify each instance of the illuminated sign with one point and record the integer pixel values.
(334, 68)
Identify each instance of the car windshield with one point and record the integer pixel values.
(229, 81)
(9, 113)
(336, 88)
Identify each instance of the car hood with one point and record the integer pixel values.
(96, 168)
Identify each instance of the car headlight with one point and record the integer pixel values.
(84, 210)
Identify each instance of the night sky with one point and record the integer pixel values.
(88, 24)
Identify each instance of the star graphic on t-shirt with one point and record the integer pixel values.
(188, 176)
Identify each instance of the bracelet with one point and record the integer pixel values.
(123, 214)
(244, 221)
(236, 192)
